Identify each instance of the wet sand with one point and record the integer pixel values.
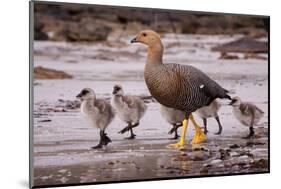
(62, 138)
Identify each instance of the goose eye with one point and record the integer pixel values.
(144, 34)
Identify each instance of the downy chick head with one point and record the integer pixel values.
(118, 90)
(147, 37)
(86, 94)
(235, 102)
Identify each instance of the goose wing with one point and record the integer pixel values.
(196, 88)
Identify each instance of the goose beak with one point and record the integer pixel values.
(134, 40)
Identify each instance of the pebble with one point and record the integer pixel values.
(216, 161)
(62, 171)
(232, 154)
(243, 158)
(234, 146)
(64, 179)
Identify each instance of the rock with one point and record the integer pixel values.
(87, 30)
(216, 161)
(200, 149)
(257, 152)
(254, 56)
(243, 158)
(247, 45)
(199, 156)
(254, 143)
(234, 146)
(182, 157)
(46, 73)
(45, 120)
(68, 104)
(226, 56)
(204, 170)
(89, 23)
(233, 154)
(260, 164)
(38, 31)
(224, 154)
(62, 171)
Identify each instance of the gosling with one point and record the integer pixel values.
(208, 112)
(98, 112)
(247, 113)
(174, 116)
(129, 109)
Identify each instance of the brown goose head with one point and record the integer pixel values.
(147, 37)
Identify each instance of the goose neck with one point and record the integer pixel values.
(155, 55)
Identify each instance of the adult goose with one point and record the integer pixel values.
(177, 86)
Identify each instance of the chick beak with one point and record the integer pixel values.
(134, 40)
(231, 103)
(79, 96)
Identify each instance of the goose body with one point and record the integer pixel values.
(177, 86)
(246, 113)
(98, 112)
(181, 87)
(129, 109)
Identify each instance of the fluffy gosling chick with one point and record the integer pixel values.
(247, 113)
(174, 117)
(208, 112)
(98, 112)
(129, 109)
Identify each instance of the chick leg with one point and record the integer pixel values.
(251, 134)
(106, 139)
(199, 134)
(132, 135)
(251, 128)
(175, 130)
(181, 142)
(220, 127)
(205, 125)
(125, 129)
(101, 142)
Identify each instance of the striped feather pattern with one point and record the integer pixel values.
(181, 87)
